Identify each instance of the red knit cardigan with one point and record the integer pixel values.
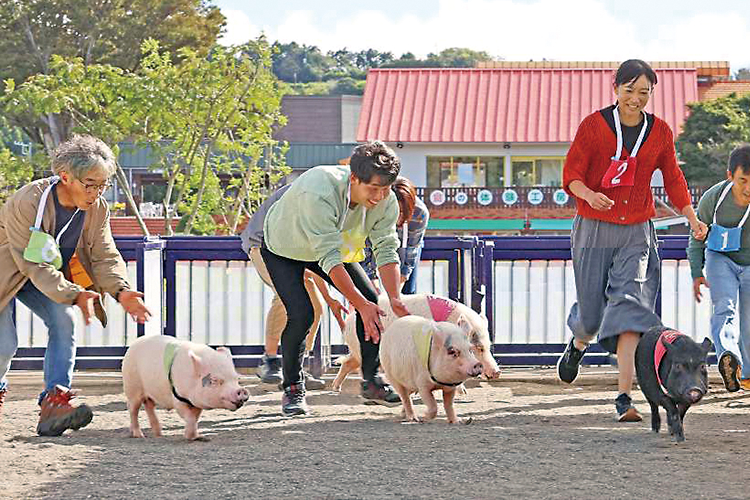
(589, 158)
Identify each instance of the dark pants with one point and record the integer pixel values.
(287, 276)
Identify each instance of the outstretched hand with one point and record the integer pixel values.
(85, 302)
(133, 304)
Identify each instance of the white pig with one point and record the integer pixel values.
(421, 355)
(175, 374)
(427, 306)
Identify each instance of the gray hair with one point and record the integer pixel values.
(82, 153)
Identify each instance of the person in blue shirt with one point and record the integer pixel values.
(411, 227)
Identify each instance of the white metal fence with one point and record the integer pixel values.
(225, 302)
(218, 302)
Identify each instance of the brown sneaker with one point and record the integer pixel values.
(626, 412)
(2, 398)
(730, 371)
(58, 414)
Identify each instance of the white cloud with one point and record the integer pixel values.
(707, 37)
(239, 29)
(515, 30)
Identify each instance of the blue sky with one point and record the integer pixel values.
(510, 29)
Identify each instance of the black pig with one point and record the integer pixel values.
(671, 369)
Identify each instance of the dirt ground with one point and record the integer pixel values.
(531, 437)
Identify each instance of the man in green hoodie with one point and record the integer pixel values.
(321, 224)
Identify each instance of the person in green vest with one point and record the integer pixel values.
(320, 224)
(725, 255)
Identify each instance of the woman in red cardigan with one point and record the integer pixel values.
(615, 261)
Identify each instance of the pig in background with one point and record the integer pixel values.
(421, 355)
(201, 378)
(671, 369)
(430, 307)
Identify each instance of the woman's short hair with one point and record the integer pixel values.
(406, 194)
(81, 153)
(632, 69)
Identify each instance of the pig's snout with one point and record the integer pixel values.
(694, 395)
(492, 373)
(475, 370)
(241, 397)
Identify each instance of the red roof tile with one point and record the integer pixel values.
(501, 105)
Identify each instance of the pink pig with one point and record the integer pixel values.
(421, 355)
(174, 374)
(431, 307)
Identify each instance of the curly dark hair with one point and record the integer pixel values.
(375, 158)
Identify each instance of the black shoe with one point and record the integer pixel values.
(293, 401)
(567, 365)
(269, 371)
(376, 392)
(626, 412)
(729, 368)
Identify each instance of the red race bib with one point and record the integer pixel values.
(621, 173)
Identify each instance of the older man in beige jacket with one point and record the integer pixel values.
(46, 228)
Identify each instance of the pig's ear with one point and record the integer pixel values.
(666, 344)
(464, 325)
(225, 351)
(197, 361)
(707, 345)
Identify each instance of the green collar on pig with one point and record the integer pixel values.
(423, 341)
(170, 352)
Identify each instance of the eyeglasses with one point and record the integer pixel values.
(95, 188)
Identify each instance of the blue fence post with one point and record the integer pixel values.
(170, 283)
(477, 270)
(488, 280)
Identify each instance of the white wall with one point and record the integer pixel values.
(414, 155)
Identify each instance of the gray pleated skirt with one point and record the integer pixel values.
(617, 273)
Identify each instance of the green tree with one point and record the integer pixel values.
(742, 74)
(348, 86)
(709, 134)
(206, 117)
(296, 63)
(110, 32)
(15, 171)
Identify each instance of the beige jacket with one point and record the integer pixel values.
(96, 250)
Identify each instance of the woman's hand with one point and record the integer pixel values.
(339, 311)
(599, 201)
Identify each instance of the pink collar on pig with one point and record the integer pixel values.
(660, 351)
(440, 308)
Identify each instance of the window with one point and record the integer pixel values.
(536, 171)
(464, 171)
